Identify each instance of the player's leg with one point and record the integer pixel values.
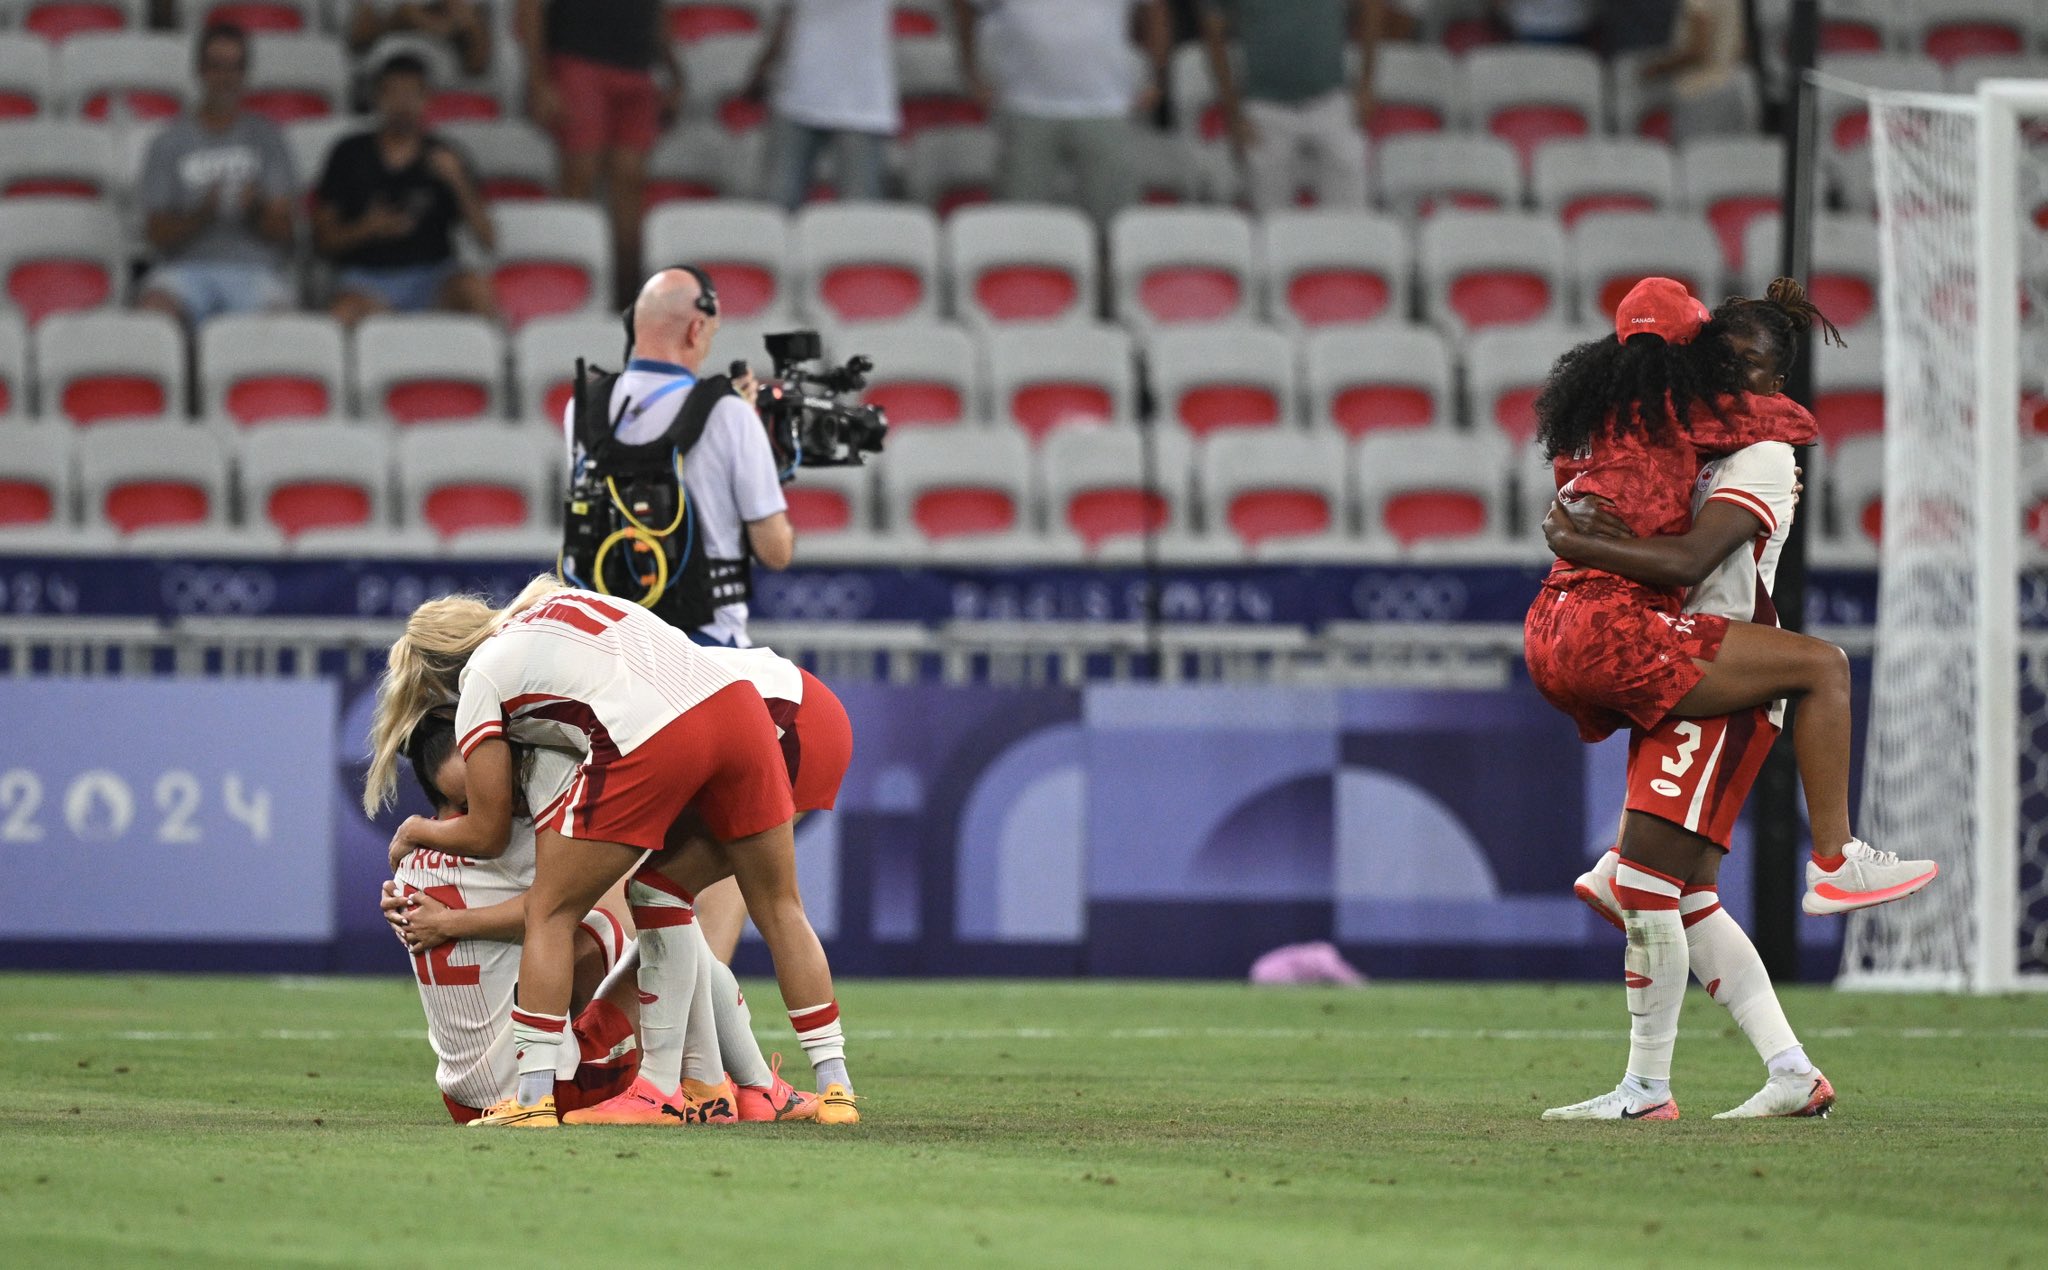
(1757, 665)
(707, 1090)
(763, 1094)
(722, 915)
(665, 983)
(569, 876)
(1728, 967)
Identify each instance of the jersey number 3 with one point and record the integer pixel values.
(1680, 763)
(435, 966)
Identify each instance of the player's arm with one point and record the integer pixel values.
(482, 834)
(1671, 560)
(424, 923)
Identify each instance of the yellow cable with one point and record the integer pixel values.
(612, 484)
(660, 562)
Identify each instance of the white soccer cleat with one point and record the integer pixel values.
(1865, 877)
(1596, 887)
(1620, 1104)
(1809, 1094)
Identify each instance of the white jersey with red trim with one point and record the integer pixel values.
(584, 672)
(467, 987)
(1759, 479)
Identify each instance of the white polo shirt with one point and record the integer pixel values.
(1060, 59)
(730, 473)
(839, 66)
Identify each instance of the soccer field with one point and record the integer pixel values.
(233, 1121)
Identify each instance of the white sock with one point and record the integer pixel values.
(669, 951)
(824, 1041)
(1728, 967)
(736, 1040)
(536, 1040)
(1654, 970)
(701, 1060)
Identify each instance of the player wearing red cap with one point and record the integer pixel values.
(1625, 421)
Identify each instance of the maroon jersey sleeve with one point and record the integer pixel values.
(1747, 419)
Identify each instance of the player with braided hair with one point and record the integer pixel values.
(1612, 644)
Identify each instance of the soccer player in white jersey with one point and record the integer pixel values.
(661, 730)
(1688, 778)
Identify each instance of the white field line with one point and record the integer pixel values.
(1109, 1034)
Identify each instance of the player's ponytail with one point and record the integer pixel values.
(1779, 319)
(423, 670)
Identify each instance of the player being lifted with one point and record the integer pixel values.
(1625, 420)
(661, 730)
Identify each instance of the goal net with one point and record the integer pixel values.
(1956, 760)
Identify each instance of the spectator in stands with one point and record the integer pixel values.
(1065, 81)
(216, 195)
(458, 24)
(1294, 103)
(590, 79)
(388, 205)
(1704, 66)
(1546, 21)
(1634, 26)
(834, 71)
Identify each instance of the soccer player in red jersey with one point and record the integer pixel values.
(1625, 420)
(660, 730)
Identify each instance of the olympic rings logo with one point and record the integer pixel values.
(1410, 597)
(816, 597)
(212, 590)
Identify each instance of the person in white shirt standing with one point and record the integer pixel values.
(1067, 84)
(834, 71)
(730, 473)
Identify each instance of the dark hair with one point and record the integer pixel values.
(429, 747)
(1779, 319)
(1604, 387)
(228, 31)
(401, 64)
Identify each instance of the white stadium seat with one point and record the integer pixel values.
(554, 257)
(1333, 268)
(868, 262)
(926, 375)
(150, 478)
(1267, 492)
(1207, 379)
(1021, 264)
(1044, 378)
(466, 478)
(322, 479)
(259, 368)
(1486, 269)
(111, 365)
(428, 368)
(745, 247)
(1182, 266)
(59, 255)
(1386, 376)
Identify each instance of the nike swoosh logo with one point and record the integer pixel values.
(1638, 1115)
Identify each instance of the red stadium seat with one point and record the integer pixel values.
(1046, 378)
(1396, 119)
(104, 397)
(1949, 43)
(1847, 299)
(813, 509)
(1026, 293)
(911, 23)
(454, 510)
(462, 105)
(870, 262)
(145, 104)
(1213, 407)
(1042, 407)
(690, 22)
(1731, 219)
(527, 289)
(265, 398)
(1325, 297)
(1267, 514)
(135, 505)
(1850, 35)
(1103, 515)
(111, 364)
(1462, 35)
(288, 105)
(1849, 412)
(1429, 515)
(1391, 376)
(914, 403)
(951, 513)
(1212, 379)
(1021, 264)
(1182, 265)
(1499, 297)
(872, 292)
(57, 20)
(303, 505)
(435, 400)
(257, 17)
(26, 502)
(1190, 293)
(554, 257)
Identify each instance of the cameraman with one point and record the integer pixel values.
(730, 473)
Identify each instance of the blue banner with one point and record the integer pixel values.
(167, 809)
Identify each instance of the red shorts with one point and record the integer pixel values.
(720, 759)
(604, 107)
(1608, 652)
(599, 1029)
(1696, 773)
(817, 745)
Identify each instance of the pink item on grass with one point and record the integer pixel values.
(1316, 962)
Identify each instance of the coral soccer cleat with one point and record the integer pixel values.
(642, 1103)
(835, 1105)
(1866, 876)
(778, 1100)
(511, 1114)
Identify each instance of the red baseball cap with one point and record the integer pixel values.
(1661, 307)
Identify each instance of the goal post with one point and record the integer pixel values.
(1956, 755)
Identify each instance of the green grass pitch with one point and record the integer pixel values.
(251, 1121)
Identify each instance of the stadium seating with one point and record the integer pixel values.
(1955, 29)
(1848, 388)
(926, 374)
(947, 169)
(260, 368)
(1580, 177)
(110, 365)
(62, 20)
(469, 478)
(1615, 250)
(45, 157)
(1275, 491)
(714, 89)
(928, 80)
(1844, 119)
(122, 76)
(1533, 482)
(27, 80)
(428, 368)
(868, 262)
(1178, 266)
(1386, 376)
(1430, 490)
(702, 161)
(509, 158)
(1045, 378)
(544, 354)
(958, 484)
(1485, 269)
(745, 247)
(1168, 172)
(1418, 175)
(1855, 473)
(35, 484)
(294, 77)
(315, 478)
(832, 506)
(16, 399)
(692, 20)
(1332, 268)
(1843, 278)
(1098, 489)
(58, 255)
(1208, 379)
(152, 477)
(309, 140)
(1415, 89)
(1505, 370)
(269, 17)
(554, 257)
(1732, 181)
(1018, 263)
(1528, 96)
(1964, 74)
